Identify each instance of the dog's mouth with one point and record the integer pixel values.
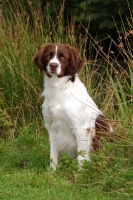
(53, 70)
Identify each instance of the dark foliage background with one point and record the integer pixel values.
(99, 13)
(104, 17)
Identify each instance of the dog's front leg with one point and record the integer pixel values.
(53, 150)
(84, 140)
(53, 156)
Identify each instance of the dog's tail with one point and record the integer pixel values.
(103, 129)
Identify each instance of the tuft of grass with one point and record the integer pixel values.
(21, 36)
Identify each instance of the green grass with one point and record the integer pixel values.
(25, 173)
(24, 144)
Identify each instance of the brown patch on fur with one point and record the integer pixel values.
(88, 130)
(102, 129)
(39, 59)
(76, 63)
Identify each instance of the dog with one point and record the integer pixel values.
(72, 119)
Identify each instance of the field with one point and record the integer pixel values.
(24, 144)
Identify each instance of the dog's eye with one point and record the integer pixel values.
(49, 55)
(61, 56)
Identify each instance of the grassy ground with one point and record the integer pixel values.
(25, 173)
(24, 145)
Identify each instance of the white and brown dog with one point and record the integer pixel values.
(71, 117)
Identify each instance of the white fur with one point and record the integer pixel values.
(69, 115)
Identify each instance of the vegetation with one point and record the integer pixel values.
(98, 13)
(24, 145)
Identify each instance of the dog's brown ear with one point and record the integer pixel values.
(76, 61)
(37, 60)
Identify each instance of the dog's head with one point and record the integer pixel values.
(58, 59)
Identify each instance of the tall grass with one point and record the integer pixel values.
(110, 85)
(20, 38)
